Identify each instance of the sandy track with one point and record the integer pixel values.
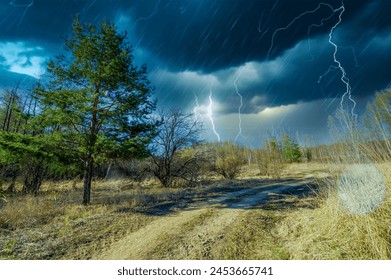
(198, 242)
(139, 244)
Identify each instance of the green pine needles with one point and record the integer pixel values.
(97, 102)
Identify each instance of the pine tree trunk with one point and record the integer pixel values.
(87, 180)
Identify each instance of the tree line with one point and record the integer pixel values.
(96, 107)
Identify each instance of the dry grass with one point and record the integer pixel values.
(341, 226)
(27, 212)
(252, 238)
(54, 225)
(332, 232)
(311, 228)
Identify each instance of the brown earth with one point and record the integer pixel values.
(195, 232)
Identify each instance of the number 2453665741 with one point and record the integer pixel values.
(251, 270)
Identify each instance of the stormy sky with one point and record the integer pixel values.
(279, 63)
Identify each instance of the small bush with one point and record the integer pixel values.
(290, 149)
(229, 159)
(269, 159)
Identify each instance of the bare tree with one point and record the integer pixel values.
(174, 154)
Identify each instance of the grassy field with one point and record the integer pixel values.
(54, 225)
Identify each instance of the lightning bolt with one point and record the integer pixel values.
(353, 52)
(210, 115)
(155, 10)
(26, 6)
(344, 79)
(322, 21)
(240, 106)
(292, 22)
(260, 30)
(331, 68)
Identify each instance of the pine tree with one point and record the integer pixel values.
(290, 149)
(97, 100)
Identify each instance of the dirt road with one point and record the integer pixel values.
(195, 231)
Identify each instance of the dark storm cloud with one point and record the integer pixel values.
(302, 78)
(193, 47)
(211, 35)
(300, 74)
(49, 21)
(206, 34)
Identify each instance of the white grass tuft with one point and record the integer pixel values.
(361, 188)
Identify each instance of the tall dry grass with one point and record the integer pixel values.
(331, 231)
(28, 211)
(351, 221)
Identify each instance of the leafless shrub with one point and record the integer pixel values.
(175, 158)
(229, 158)
(269, 159)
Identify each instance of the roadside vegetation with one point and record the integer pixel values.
(86, 159)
